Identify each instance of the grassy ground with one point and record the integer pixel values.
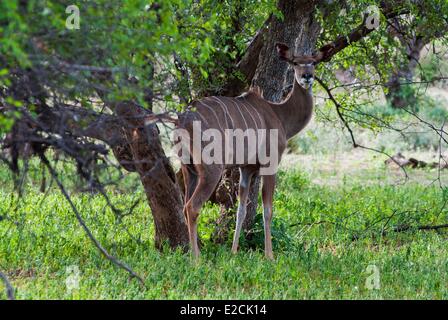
(333, 234)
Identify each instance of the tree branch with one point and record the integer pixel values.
(82, 123)
(249, 62)
(343, 41)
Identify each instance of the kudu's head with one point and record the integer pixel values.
(303, 65)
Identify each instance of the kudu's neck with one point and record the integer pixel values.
(296, 111)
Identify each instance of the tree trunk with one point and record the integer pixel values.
(145, 152)
(137, 148)
(161, 188)
(400, 92)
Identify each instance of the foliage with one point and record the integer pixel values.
(144, 43)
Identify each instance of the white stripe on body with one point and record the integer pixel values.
(242, 116)
(216, 116)
(197, 113)
(250, 114)
(225, 110)
(256, 111)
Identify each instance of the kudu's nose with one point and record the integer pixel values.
(307, 76)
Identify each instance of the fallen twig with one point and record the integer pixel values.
(424, 227)
(401, 161)
(9, 288)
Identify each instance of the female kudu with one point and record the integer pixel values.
(246, 112)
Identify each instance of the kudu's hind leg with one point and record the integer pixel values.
(208, 178)
(268, 197)
(190, 181)
(246, 175)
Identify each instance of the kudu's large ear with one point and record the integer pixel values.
(324, 53)
(283, 51)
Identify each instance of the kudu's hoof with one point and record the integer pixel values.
(269, 256)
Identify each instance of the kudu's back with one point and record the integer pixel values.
(244, 127)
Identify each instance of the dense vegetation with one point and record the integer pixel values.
(72, 102)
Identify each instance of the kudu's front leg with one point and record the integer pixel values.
(268, 197)
(246, 176)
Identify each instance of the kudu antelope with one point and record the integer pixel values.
(248, 111)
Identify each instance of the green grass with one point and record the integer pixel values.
(325, 237)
